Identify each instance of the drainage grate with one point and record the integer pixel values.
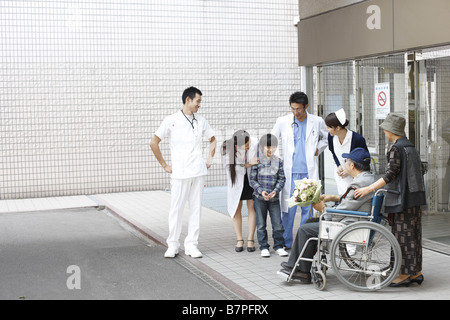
(228, 294)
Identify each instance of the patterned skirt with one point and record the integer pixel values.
(407, 229)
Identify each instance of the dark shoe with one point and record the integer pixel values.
(404, 283)
(251, 249)
(304, 278)
(418, 279)
(239, 249)
(285, 265)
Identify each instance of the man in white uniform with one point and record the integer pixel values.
(304, 137)
(185, 131)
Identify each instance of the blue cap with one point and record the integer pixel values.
(359, 155)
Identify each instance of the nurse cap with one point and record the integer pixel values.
(340, 115)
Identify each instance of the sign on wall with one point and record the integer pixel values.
(382, 100)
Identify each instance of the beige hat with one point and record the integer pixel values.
(395, 124)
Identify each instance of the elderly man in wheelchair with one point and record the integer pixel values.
(357, 164)
(371, 267)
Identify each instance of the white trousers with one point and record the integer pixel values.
(190, 190)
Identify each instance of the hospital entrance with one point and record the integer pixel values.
(415, 85)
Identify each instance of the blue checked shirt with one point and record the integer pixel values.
(262, 179)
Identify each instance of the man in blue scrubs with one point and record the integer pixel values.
(304, 137)
(299, 166)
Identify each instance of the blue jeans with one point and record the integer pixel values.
(289, 217)
(274, 209)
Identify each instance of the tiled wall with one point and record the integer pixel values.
(85, 84)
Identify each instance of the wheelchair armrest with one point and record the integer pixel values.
(353, 213)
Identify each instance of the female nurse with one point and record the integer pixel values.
(340, 141)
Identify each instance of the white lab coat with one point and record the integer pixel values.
(234, 191)
(316, 139)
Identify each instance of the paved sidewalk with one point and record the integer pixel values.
(85, 254)
(247, 274)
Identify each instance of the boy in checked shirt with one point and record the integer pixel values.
(267, 179)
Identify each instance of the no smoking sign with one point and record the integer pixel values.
(382, 100)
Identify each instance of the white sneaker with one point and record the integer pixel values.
(193, 252)
(171, 253)
(265, 253)
(282, 253)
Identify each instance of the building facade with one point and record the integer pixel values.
(375, 57)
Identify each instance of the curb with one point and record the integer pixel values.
(227, 283)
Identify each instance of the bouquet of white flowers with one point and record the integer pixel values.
(306, 192)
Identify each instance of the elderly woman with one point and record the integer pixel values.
(404, 174)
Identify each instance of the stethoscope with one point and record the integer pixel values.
(294, 123)
(294, 126)
(190, 122)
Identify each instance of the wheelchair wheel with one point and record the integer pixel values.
(365, 256)
(319, 279)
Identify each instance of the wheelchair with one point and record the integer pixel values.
(363, 254)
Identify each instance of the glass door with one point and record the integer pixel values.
(335, 89)
(433, 135)
(382, 88)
